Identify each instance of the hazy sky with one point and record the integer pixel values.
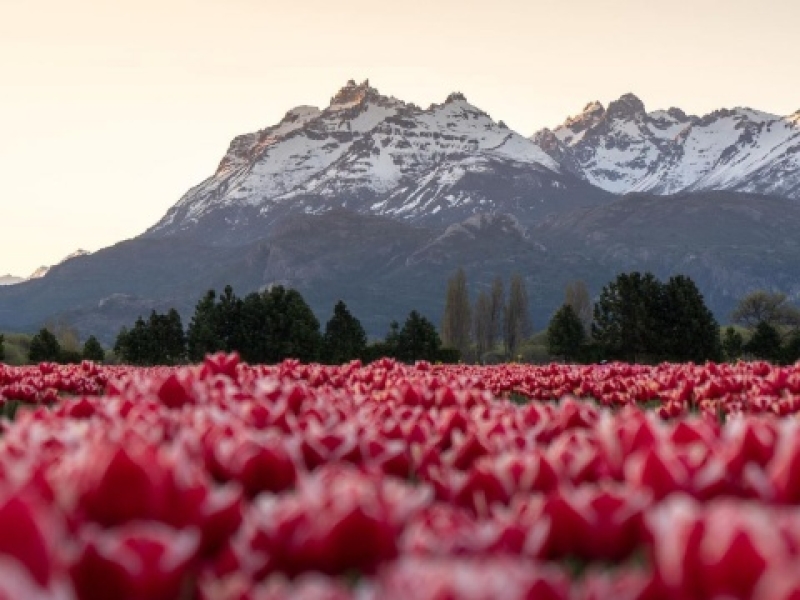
(111, 109)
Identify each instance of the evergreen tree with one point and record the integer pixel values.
(292, 330)
(456, 322)
(732, 344)
(202, 337)
(44, 347)
(565, 334)
(344, 339)
(418, 339)
(516, 319)
(92, 350)
(688, 329)
(765, 343)
(228, 320)
(135, 346)
(791, 351)
(2, 348)
(627, 319)
(166, 341)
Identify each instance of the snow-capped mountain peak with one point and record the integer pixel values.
(44, 270)
(628, 106)
(624, 148)
(365, 148)
(10, 279)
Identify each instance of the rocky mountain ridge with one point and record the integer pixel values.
(624, 148)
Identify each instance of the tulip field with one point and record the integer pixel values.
(224, 481)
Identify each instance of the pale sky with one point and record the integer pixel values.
(111, 109)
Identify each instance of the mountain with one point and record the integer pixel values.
(376, 155)
(39, 272)
(377, 202)
(624, 148)
(10, 279)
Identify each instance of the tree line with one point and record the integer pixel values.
(270, 326)
(639, 318)
(636, 318)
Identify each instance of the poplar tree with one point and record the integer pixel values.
(482, 324)
(576, 295)
(456, 322)
(497, 310)
(517, 319)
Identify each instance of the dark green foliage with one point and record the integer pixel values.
(791, 351)
(277, 325)
(732, 344)
(765, 343)
(92, 350)
(448, 355)
(2, 347)
(202, 336)
(688, 329)
(417, 340)
(263, 328)
(344, 339)
(44, 347)
(69, 357)
(626, 320)
(639, 318)
(158, 341)
(565, 334)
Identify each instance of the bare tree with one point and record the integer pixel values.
(576, 295)
(517, 315)
(497, 303)
(457, 322)
(767, 307)
(482, 324)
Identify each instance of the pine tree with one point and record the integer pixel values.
(627, 317)
(418, 339)
(292, 330)
(732, 344)
(92, 350)
(565, 334)
(765, 343)
(688, 329)
(791, 351)
(516, 319)
(202, 337)
(166, 339)
(44, 347)
(456, 322)
(344, 339)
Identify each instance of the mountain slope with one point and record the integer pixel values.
(624, 148)
(10, 280)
